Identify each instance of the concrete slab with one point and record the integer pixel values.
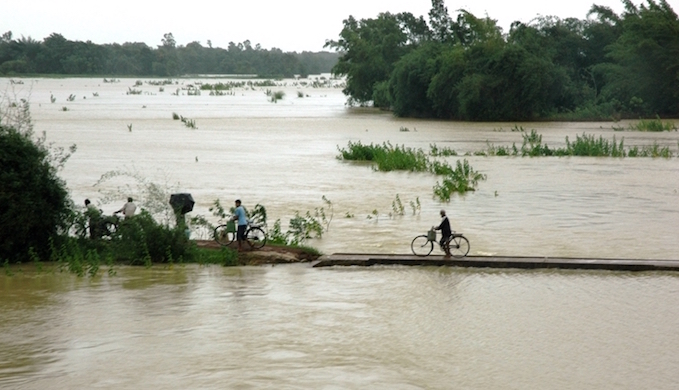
(366, 260)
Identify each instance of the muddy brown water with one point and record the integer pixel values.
(386, 327)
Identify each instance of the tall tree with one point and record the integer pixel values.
(370, 48)
(440, 23)
(644, 74)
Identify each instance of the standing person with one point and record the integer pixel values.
(94, 215)
(446, 233)
(242, 223)
(128, 209)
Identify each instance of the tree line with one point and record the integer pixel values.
(605, 66)
(58, 55)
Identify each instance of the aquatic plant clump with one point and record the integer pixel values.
(656, 125)
(387, 156)
(462, 179)
(584, 146)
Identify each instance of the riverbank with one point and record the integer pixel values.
(269, 254)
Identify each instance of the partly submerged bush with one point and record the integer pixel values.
(653, 125)
(142, 240)
(387, 156)
(462, 179)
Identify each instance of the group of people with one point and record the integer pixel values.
(130, 208)
(96, 218)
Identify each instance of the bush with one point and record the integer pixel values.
(35, 202)
(462, 179)
(142, 240)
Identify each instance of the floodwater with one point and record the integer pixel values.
(383, 327)
(296, 327)
(283, 155)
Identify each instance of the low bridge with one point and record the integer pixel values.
(520, 262)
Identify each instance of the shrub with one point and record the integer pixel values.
(653, 125)
(462, 179)
(142, 240)
(387, 156)
(35, 199)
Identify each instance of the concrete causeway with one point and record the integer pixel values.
(367, 260)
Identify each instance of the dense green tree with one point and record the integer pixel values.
(470, 30)
(57, 55)
(465, 68)
(441, 23)
(34, 201)
(444, 88)
(643, 74)
(371, 48)
(410, 80)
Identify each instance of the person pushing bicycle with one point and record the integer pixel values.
(242, 223)
(446, 233)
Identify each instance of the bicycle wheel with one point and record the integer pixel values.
(108, 228)
(79, 229)
(459, 246)
(224, 236)
(256, 237)
(421, 246)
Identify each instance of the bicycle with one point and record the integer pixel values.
(225, 235)
(423, 245)
(104, 227)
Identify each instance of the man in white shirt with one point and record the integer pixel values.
(128, 209)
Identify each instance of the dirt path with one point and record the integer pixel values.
(269, 254)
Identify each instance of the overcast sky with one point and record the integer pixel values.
(290, 25)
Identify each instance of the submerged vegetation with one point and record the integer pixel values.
(584, 145)
(649, 125)
(463, 178)
(387, 157)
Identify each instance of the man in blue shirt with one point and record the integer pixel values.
(242, 224)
